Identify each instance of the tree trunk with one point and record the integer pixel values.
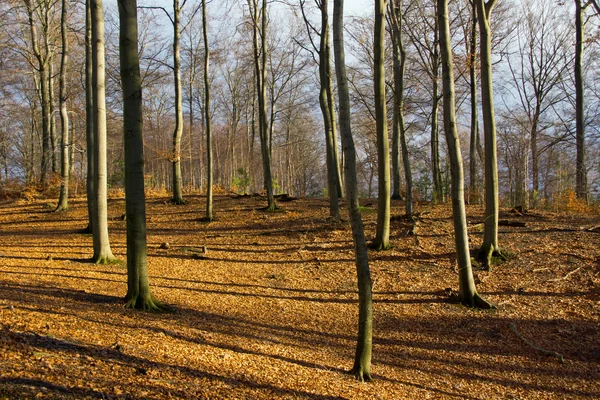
(334, 134)
(89, 119)
(535, 171)
(209, 160)
(490, 236)
(382, 237)
(178, 132)
(138, 289)
(362, 359)
(438, 195)
(399, 135)
(102, 252)
(581, 172)
(325, 102)
(63, 200)
(51, 108)
(468, 294)
(42, 69)
(474, 142)
(260, 67)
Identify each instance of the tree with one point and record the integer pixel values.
(382, 237)
(138, 289)
(209, 160)
(467, 293)
(364, 345)
(326, 103)
(490, 236)
(89, 119)
(537, 72)
(102, 252)
(178, 131)
(581, 175)
(260, 69)
(63, 200)
(423, 32)
(43, 60)
(474, 142)
(399, 129)
(580, 168)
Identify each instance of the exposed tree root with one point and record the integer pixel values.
(487, 256)
(378, 246)
(541, 350)
(60, 208)
(478, 302)
(105, 260)
(273, 208)
(334, 220)
(87, 229)
(148, 303)
(177, 202)
(360, 374)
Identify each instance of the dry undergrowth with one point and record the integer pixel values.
(269, 309)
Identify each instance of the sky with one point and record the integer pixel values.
(351, 7)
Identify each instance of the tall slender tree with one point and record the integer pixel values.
(178, 130)
(42, 68)
(581, 175)
(422, 30)
(580, 167)
(382, 237)
(364, 344)
(326, 103)
(138, 295)
(63, 200)
(474, 142)
(399, 129)
(259, 16)
(490, 236)
(102, 252)
(468, 294)
(89, 119)
(207, 121)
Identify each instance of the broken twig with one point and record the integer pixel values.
(566, 276)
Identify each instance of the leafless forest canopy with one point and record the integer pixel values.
(533, 52)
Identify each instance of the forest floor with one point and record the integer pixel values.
(269, 310)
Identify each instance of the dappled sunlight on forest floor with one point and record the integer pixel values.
(265, 306)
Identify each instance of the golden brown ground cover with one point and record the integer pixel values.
(269, 311)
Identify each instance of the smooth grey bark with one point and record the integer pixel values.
(42, 70)
(51, 96)
(102, 252)
(364, 344)
(178, 131)
(397, 111)
(138, 295)
(438, 195)
(399, 132)
(467, 292)
(63, 200)
(382, 236)
(580, 168)
(89, 119)
(260, 67)
(326, 103)
(474, 143)
(209, 156)
(490, 235)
